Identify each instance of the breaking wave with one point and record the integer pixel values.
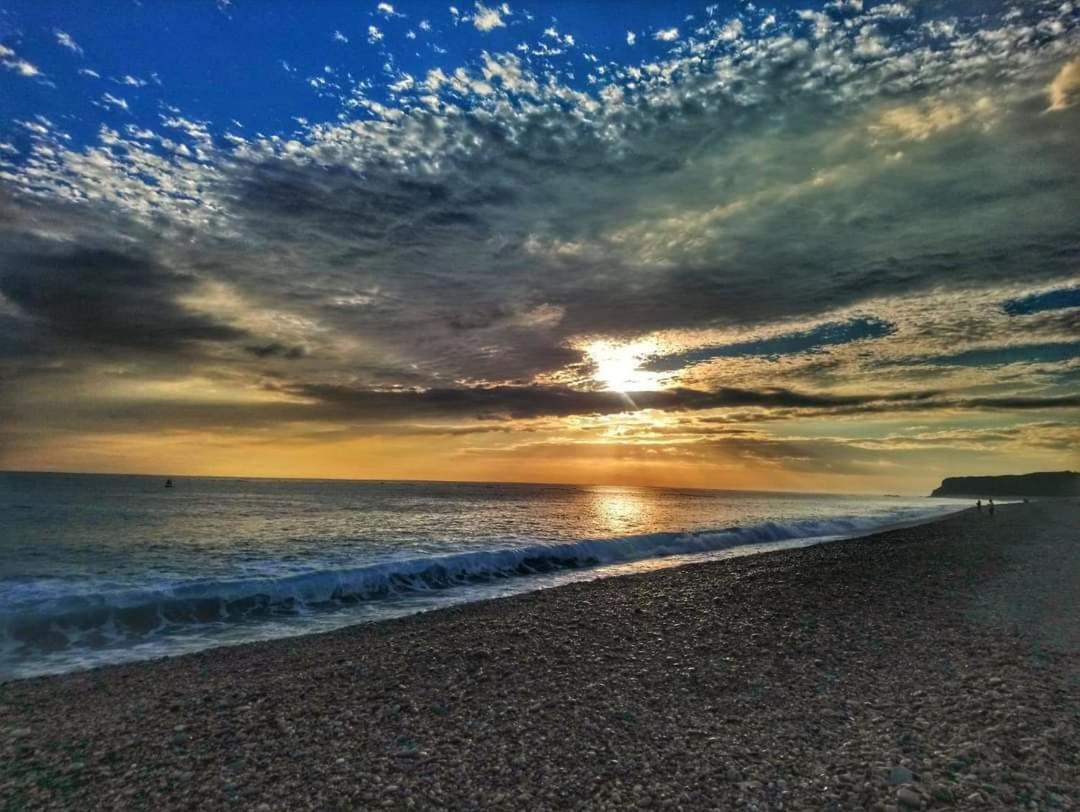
(54, 622)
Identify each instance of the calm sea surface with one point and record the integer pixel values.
(98, 569)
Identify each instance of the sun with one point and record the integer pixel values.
(617, 365)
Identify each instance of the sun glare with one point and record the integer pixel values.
(618, 365)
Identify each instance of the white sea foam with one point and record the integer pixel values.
(48, 625)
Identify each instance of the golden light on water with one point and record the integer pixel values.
(619, 510)
(617, 365)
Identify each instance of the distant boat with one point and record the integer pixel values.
(168, 483)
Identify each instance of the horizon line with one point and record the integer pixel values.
(461, 482)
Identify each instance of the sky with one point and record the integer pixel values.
(804, 246)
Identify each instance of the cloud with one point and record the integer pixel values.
(820, 457)
(114, 101)
(103, 298)
(447, 249)
(536, 401)
(339, 37)
(1052, 435)
(1021, 403)
(65, 39)
(666, 34)
(486, 19)
(276, 349)
(631, 37)
(805, 341)
(1065, 88)
(1010, 354)
(374, 34)
(19, 66)
(732, 31)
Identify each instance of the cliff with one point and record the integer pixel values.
(1046, 483)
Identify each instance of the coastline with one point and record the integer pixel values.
(63, 624)
(929, 656)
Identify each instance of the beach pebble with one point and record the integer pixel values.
(900, 775)
(943, 793)
(909, 798)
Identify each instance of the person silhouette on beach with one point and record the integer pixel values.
(978, 505)
(991, 507)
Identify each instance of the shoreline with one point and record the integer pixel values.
(432, 589)
(780, 679)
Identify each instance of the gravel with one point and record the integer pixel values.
(920, 668)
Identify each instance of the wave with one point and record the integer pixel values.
(112, 616)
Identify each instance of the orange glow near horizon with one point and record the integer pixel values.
(417, 458)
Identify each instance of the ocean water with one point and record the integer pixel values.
(103, 569)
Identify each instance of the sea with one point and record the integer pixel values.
(98, 569)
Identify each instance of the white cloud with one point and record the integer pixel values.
(631, 37)
(732, 31)
(5, 51)
(35, 127)
(435, 79)
(822, 22)
(385, 8)
(65, 39)
(194, 129)
(339, 37)
(114, 101)
(869, 43)
(374, 34)
(132, 81)
(894, 10)
(486, 19)
(667, 35)
(425, 25)
(93, 74)
(22, 67)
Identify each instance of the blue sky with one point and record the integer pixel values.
(677, 243)
(254, 63)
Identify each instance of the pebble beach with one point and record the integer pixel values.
(936, 666)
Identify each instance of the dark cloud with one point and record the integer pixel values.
(326, 411)
(560, 401)
(102, 298)
(556, 401)
(276, 349)
(1023, 403)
